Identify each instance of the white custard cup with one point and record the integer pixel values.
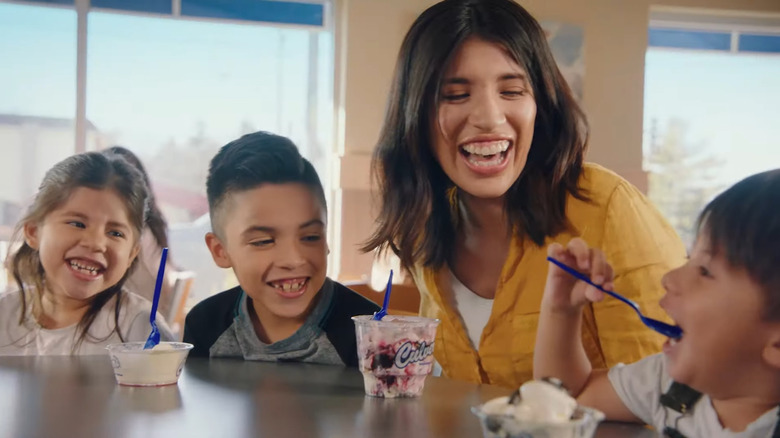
(162, 365)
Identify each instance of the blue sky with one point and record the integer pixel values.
(731, 102)
(38, 72)
(154, 79)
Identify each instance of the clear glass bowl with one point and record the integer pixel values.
(134, 366)
(582, 425)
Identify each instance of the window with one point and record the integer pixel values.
(171, 89)
(711, 109)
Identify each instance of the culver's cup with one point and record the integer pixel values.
(395, 354)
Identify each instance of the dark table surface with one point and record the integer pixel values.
(60, 396)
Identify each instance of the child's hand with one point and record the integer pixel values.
(565, 293)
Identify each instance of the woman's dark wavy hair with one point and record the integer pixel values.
(155, 220)
(743, 226)
(93, 170)
(415, 219)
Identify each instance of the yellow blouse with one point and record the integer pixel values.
(638, 242)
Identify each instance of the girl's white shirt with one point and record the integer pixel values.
(30, 339)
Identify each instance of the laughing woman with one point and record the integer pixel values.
(480, 167)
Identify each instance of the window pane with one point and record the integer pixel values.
(256, 10)
(710, 120)
(37, 100)
(153, 6)
(55, 2)
(174, 91)
(759, 43)
(689, 39)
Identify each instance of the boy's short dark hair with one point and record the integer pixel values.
(743, 224)
(256, 159)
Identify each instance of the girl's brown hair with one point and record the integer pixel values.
(155, 219)
(95, 171)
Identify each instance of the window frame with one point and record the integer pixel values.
(733, 23)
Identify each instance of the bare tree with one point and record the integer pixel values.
(682, 176)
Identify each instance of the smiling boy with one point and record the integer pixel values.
(268, 216)
(721, 378)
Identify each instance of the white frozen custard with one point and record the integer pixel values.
(538, 409)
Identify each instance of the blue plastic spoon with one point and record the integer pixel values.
(661, 327)
(383, 311)
(154, 336)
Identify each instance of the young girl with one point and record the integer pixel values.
(721, 378)
(79, 240)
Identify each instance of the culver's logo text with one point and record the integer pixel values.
(411, 352)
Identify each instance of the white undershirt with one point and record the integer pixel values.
(473, 309)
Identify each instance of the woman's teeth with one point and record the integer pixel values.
(487, 149)
(486, 154)
(481, 162)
